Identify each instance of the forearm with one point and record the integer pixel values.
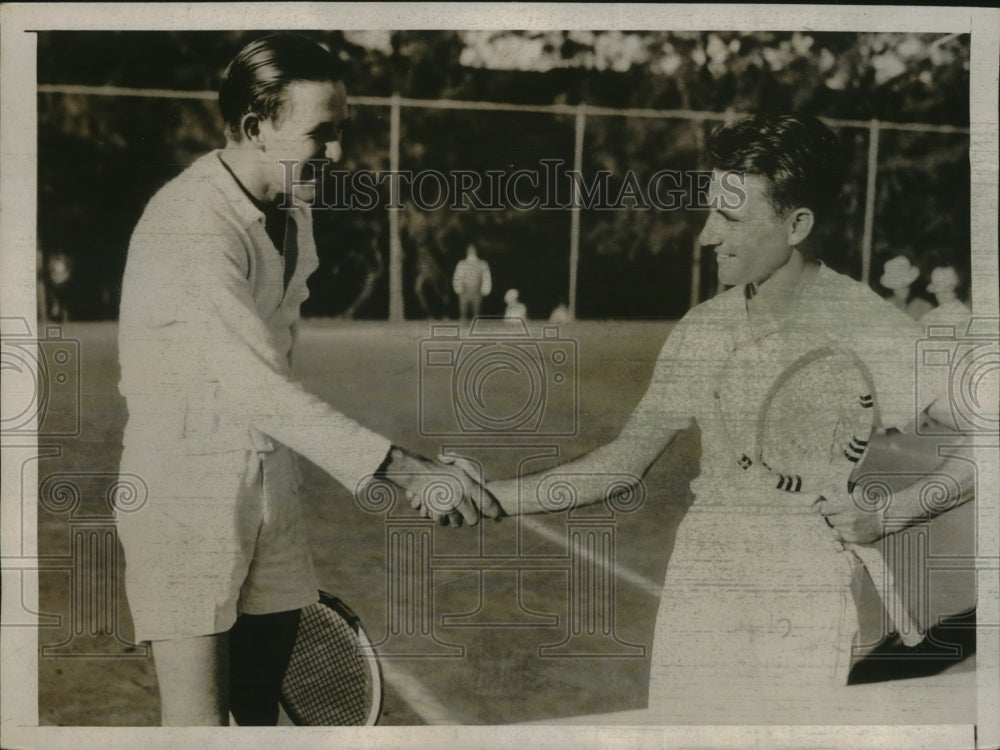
(585, 480)
(250, 390)
(559, 489)
(344, 448)
(437, 488)
(949, 485)
(400, 464)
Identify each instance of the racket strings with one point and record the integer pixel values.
(816, 418)
(328, 681)
(799, 414)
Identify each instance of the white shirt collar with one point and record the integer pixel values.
(221, 178)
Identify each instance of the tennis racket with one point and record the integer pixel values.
(799, 413)
(333, 676)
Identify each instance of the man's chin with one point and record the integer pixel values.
(304, 194)
(729, 279)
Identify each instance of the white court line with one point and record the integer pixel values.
(416, 694)
(641, 582)
(422, 701)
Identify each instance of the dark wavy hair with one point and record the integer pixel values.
(799, 156)
(256, 79)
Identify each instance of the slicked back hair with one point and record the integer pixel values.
(256, 79)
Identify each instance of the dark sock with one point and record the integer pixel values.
(259, 649)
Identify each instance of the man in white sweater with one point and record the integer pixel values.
(218, 560)
(756, 618)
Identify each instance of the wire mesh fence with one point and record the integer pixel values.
(581, 205)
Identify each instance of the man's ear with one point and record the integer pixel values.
(800, 223)
(250, 128)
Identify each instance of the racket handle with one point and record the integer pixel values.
(885, 585)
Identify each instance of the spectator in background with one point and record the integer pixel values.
(59, 271)
(945, 280)
(41, 298)
(471, 282)
(898, 275)
(561, 315)
(515, 308)
(429, 285)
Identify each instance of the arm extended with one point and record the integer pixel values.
(630, 455)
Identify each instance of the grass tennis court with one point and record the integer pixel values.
(498, 592)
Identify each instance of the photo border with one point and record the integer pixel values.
(18, 196)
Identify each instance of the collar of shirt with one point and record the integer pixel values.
(222, 179)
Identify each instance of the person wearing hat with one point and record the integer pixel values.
(898, 274)
(950, 309)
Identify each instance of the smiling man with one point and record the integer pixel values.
(218, 559)
(756, 617)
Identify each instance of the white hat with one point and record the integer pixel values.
(943, 279)
(510, 297)
(898, 273)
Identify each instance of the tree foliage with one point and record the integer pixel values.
(101, 158)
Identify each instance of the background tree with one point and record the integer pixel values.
(101, 158)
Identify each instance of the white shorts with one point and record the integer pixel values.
(219, 535)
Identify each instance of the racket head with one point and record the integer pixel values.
(333, 676)
(814, 423)
(798, 409)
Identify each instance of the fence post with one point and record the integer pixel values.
(395, 244)
(866, 238)
(396, 307)
(574, 227)
(699, 139)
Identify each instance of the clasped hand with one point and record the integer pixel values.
(850, 522)
(446, 489)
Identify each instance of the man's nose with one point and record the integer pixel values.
(709, 234)
(334, 152)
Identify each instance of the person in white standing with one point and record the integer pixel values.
(950, 309)
(472, 281)
(756, 616)
(218, 559)
(516, 310)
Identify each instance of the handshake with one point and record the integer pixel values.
(446, 489)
